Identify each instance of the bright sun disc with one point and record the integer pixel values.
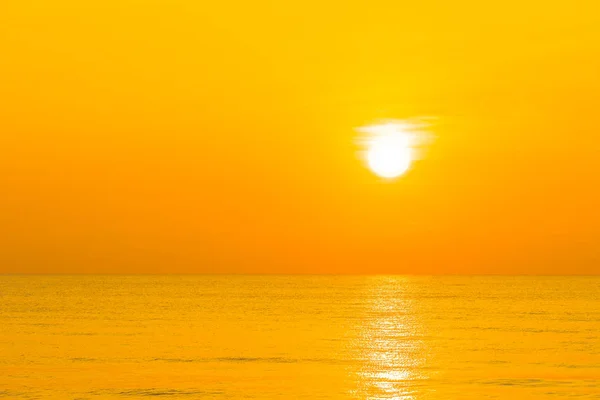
(389, 148)
(389, 156)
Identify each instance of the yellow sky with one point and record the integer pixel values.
(186, 136)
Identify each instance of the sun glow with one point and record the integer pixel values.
(389, 156)
(390, 148)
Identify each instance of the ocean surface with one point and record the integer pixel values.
(299, 337)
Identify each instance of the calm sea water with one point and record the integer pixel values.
(299, 337)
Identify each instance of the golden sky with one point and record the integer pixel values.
(188, 136)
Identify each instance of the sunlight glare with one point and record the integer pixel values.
(390, 148)
(389, 156)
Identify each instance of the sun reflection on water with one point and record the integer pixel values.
(389, 344)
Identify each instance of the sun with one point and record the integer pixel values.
(389, 148)
(389, 156)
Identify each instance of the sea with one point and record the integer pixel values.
(299, 337)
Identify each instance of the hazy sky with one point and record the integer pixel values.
(188, 136)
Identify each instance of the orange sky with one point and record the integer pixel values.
(182, 136)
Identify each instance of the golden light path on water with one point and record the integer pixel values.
(390, 344)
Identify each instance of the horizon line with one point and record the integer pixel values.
(287, 274)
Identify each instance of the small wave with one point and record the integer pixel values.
(278, 360)
(7, 394)
(155, 392)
